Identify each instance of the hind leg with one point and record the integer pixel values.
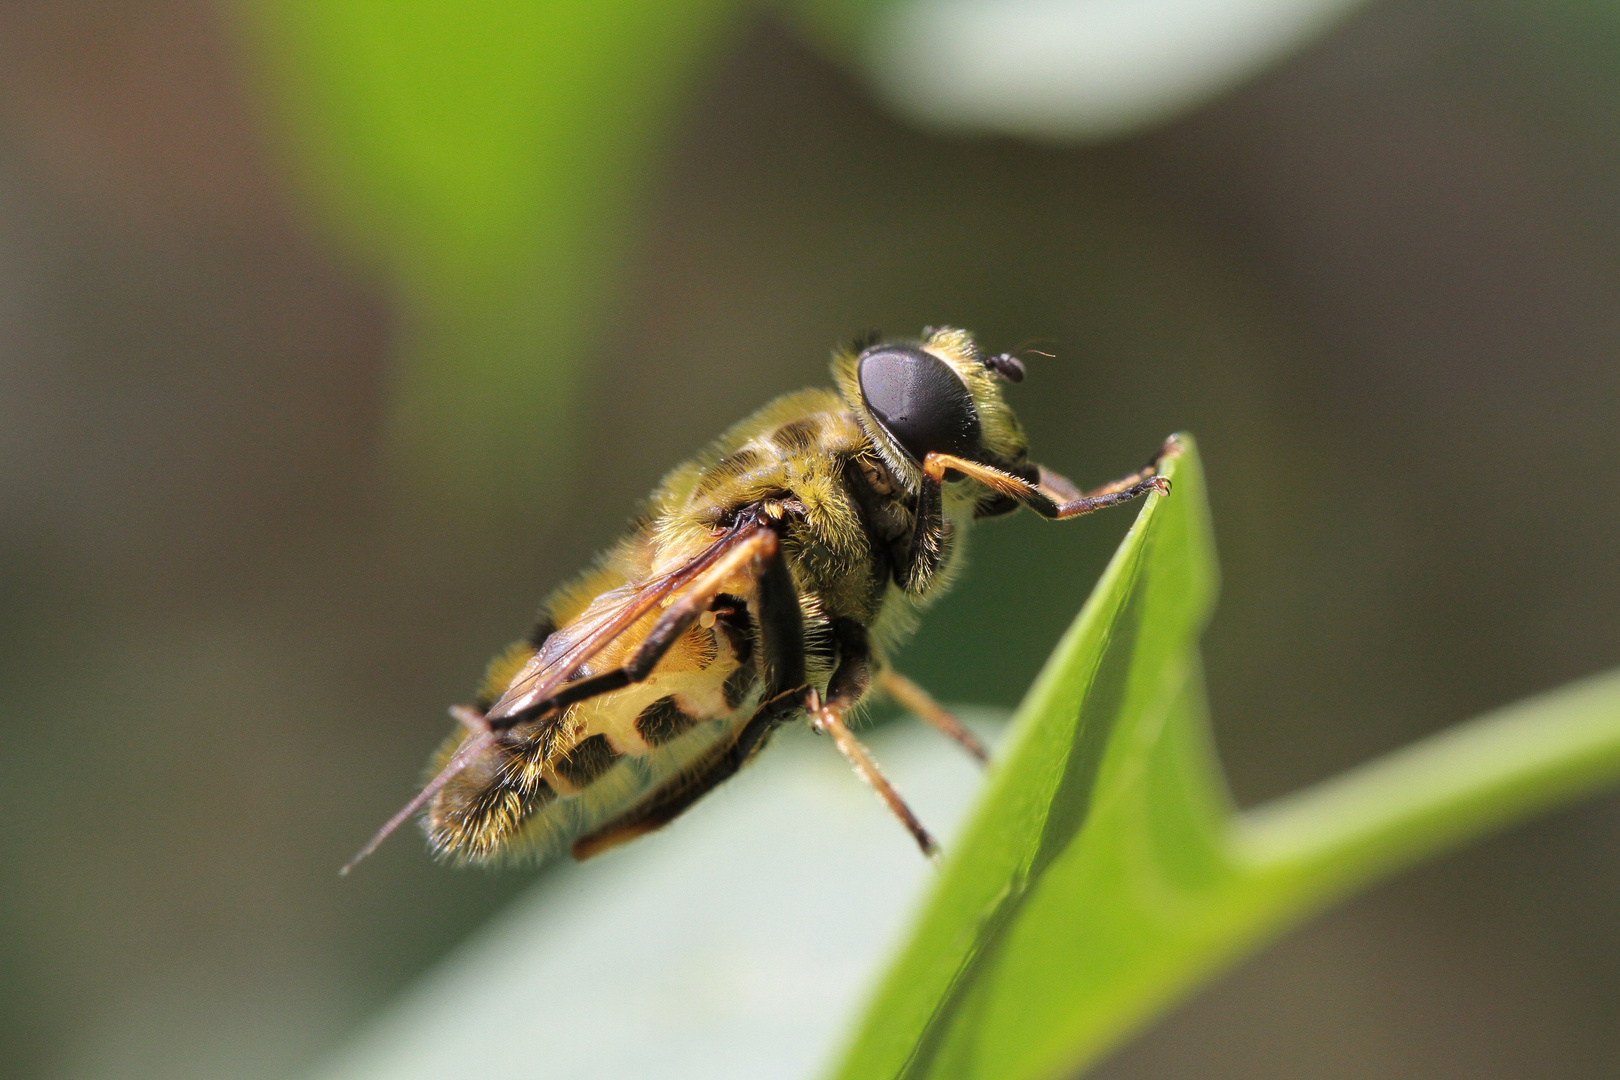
(846, 688)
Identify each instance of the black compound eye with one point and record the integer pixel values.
(919, 400)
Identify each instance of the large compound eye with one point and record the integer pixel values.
(919, 400)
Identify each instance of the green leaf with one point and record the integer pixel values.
(1105, 872)
(482, 158)
(1098, 831)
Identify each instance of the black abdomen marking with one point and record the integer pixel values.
(587, 761)
(662, 721)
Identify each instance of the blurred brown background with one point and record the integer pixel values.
(1379, 284)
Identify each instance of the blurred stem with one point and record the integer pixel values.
(1291, 858)
(1436, 794)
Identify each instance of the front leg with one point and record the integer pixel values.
(1055, 496)
(1064, 490)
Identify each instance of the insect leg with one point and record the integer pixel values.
(478, 742)
(1056, 497)
(1067, 492)
(925, 708)
(761, 544)
(849, 682)
(781, 626)
(1045, 505)
(470, 718)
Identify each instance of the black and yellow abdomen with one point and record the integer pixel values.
(544, 785)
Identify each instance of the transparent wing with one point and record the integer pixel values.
(553, 667)
(611, 614)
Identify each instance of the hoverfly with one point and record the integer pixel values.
(768, 577)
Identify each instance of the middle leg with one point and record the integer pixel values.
(848, 684)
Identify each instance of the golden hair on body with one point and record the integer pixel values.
(769, 577)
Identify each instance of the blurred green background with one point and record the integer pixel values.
(332, 336)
